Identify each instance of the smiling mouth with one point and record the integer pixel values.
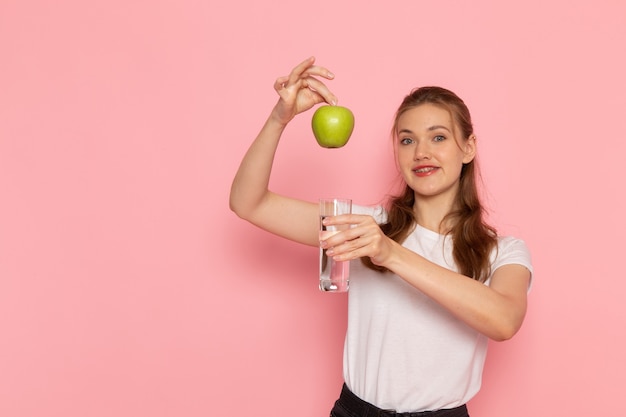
(424, 170)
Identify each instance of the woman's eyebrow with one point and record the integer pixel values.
(435, 127)
(430, 129)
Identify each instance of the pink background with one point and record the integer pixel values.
(128, 288)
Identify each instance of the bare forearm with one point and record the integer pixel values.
(250, 185)
(251, 199)
(496, 314)
(496, 310)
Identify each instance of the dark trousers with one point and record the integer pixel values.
(349, 405)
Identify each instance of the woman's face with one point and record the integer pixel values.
(430, 155)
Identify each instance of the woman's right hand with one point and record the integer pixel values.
(301, 90)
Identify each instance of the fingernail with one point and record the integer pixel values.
(331, 75)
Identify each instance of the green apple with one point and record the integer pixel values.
(332, 126)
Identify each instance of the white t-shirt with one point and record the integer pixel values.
(405, 352)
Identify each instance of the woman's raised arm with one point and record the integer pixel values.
(250, 197)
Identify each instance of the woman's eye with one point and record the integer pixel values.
(406, 141)
(439, 138)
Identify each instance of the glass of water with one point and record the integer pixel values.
(334, 276)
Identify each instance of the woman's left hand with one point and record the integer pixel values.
(363, 238)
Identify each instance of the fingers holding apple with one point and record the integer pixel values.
(332, 126)
(302, 89)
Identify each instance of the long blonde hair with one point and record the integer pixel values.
(473, 239)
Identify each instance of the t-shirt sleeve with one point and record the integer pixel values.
(513, 251)
(377, 212)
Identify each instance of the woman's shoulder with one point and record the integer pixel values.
(511, 243)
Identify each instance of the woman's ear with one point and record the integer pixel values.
(469, 147)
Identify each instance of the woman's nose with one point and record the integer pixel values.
(421, 152)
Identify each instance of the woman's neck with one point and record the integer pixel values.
(431, 211)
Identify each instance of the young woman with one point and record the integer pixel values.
(430, 282)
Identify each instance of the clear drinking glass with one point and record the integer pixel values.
(334, 276)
